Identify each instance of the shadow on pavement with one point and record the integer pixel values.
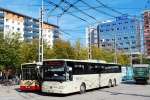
(131, 82)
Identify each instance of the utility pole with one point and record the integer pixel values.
(89, 44)
(141, 48)
(115, 52)
(130, 53)
(89, 39)
(41, 35)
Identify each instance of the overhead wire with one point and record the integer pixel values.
(79, 10)
(113, 9)
(97, 9)
(48, 15)
(64, 10)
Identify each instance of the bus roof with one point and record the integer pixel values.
(141, 65)
(38, 63)
(89, 61)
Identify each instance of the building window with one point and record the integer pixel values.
(1, 24)
(107, 39)
(18, 17)
(120, 43)
(125, 37)
(103, 45)
(7, 13)
(119, 38)
(18, 29)
(101, 30)
(133, 42)
(7, 20)
(13, 28)
(12, 21)
(126, 48)
(108, 44)
(1, 11)
(1, 18)
(127, 42)
(18, 23)
(7, 26)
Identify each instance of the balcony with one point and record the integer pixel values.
(1, 21)
(31, 34)
(1, 14)
(28, 38)
(56, 30)
(56, 35)
(31, 28)
(1, 28)
(31, 23)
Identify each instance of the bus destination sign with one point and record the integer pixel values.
(29, 66)
(52, 63)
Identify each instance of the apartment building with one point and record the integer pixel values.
(29, 27)
(146, 30)
(125, 33)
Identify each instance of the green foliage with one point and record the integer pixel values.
(14, 51)
(81, 52)
(29, 51)
(9, 50)
(61, 50)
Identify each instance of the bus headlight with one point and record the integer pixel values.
(45, 87)
(21, 84)
(36, 84)
(61, 87)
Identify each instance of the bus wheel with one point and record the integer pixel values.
(114, 83)
(109, 84)
(82, 88)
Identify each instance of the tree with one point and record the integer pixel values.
(29, 51)
(123, 60)
(61, 50)
(81, 52)
(10, 50)
(98, 53)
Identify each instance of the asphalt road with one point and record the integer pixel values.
(124, 91)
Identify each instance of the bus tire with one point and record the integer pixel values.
(114, 83)
(109, 84)
(82, 88)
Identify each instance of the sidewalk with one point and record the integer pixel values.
(9, 89)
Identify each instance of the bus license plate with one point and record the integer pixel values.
(48, 91)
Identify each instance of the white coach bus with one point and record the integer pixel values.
(67, 76)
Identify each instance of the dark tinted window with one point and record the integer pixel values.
(79, 68)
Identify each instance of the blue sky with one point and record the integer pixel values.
(72, 25)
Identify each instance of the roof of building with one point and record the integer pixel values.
(145, 11)
(26, 16)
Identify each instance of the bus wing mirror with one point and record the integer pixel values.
(69, 68)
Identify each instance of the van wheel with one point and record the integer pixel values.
(82, 88)
(109, 84)
(114, 83)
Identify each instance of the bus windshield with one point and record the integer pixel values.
(54, 71)
(54, 74)
(29, 74)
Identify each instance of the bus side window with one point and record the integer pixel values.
(102, 69)
(78, 69)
